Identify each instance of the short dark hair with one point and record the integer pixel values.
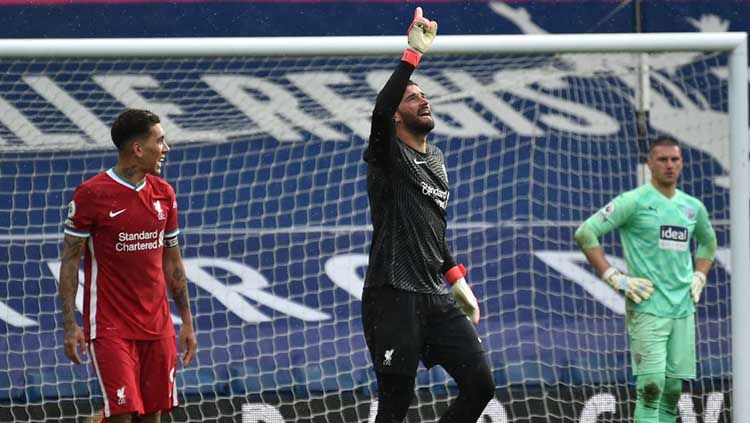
(410, 82)
(132, 124)
(662, 140)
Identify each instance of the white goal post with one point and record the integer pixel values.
(734, 45)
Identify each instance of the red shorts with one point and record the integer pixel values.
(135, 376)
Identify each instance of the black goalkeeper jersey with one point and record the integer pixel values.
(408, 194)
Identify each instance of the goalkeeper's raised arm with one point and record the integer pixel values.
(656, 223)
(408, 312)
(421, 33)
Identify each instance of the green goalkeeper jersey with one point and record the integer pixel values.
(656, 234)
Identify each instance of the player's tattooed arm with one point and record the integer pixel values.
(74, 340)
(179, 289)
(71, 261)
(174, 272)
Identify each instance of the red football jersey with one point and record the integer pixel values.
(126, 225)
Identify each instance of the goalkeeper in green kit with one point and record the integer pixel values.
(657, 223)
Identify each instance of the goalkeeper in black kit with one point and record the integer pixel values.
(408, 312)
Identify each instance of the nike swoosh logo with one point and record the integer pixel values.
(111, 214)
(419, 162)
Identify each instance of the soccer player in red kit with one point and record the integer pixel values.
(124, 222)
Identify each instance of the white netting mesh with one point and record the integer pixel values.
(267, 166)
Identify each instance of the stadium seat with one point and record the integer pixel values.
(324, 377)
(9, 391)
(192, 382)
(54, 383)
(245, 378)
(33, 385)
(62, 382)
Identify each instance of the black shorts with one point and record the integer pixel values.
(401, 328)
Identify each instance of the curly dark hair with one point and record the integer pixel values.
(132, 124)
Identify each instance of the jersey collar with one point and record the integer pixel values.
(656, 190)
(122, 181)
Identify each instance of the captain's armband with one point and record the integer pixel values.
(171, 242)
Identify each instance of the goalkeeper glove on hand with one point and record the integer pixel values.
(462, 293)
(696, 287)
(637, 289)
(421, 34)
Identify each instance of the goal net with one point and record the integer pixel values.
(267, 164)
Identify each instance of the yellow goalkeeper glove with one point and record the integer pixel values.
(421, 34)
(696, 287)
(462, 293)
(637, 289)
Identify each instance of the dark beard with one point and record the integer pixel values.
(419, 127)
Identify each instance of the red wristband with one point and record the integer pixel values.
(412, 57)
(455, 273)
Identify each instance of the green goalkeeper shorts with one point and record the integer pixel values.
(662, 345)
